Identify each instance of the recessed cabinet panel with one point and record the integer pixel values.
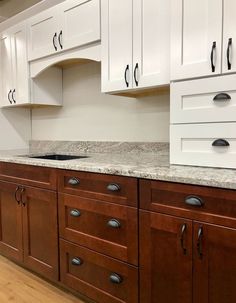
(6, 69)
(229, 37)
(43, 34)
(80, 22)
(151, 36)
(196, 38)
(117, 69)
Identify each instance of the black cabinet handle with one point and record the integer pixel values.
(115, 278)
(230, 42)
(53, 40)
(76, 261)
(220, 143)
(9, 93)
(59, 40)
(12, 95)
(183, 231)
(113, 223)
(222, 97)
(194, 201)
(199, 242)
(126, 71)
(75, 213)
(113, 187)
(213, 68)
(21, 196)
(135, 74)
(16, 197)
(73, 181)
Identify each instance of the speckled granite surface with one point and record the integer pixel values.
(142, 160)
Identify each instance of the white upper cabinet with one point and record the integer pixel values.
(43, 34)
(14, 66)
(80, 22)
(117, 61)
(151, 38)
(196, 37)
(229, 37)
(135, 44)
(70, 24)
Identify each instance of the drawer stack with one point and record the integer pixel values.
(203, 122)
(98, 228)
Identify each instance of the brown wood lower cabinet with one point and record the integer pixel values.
(165, 259)
(101, 278)
(28, 227)
(185, 260)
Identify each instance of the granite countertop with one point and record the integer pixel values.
(141, 161)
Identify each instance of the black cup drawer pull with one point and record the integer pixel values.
(76, 261)
(113, 223)
(75, 213)
(222, 97)
(113, 187)
(115, 278)
(220, 143)
(73, 181)
(194, 201)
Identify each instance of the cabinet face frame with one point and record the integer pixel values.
(183, 65)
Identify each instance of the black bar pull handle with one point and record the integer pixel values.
(199, 242)
(213, 67)
(8, 96)
(13, 95)
(126, 71)
(60, 39)
(53, 40)
(135, 74)
(230, 42)
(18, 200)
(222, 97)
(220, 143)
(183, 231)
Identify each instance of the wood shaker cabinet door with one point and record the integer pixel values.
(165, 259)
(214, 271)
(40, 231)
(10, 222)
(107, 228)
(96, 276)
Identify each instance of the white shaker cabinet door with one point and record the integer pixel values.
(151, 36)
(44, 34)
(196, 37)
(80, 23)
(6, 70)
(20, 65)
(229, 37)
(117, 40)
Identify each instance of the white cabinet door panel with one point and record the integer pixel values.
(6, 80)
(43, 34)
(196, 26)
(229, 37)
(117, 45)
(80, 22)
(20, 65)
(151, 36)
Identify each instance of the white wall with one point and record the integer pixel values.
(88, 114)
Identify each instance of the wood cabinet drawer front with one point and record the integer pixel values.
(43, 177)
(107, 228)
(212, 144)
(204, 100)
(101, 278)
(115, 189)
(218, 205)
